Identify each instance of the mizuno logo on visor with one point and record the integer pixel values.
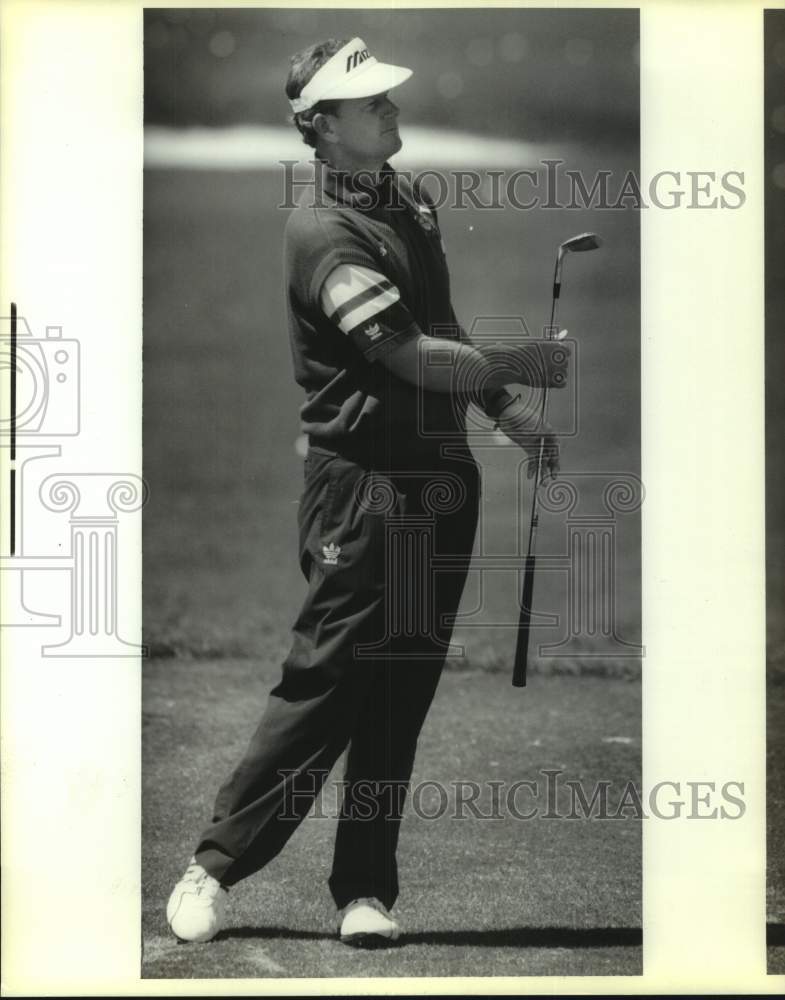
(351, 73)
(356, 58)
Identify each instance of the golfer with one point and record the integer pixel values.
(376, 348)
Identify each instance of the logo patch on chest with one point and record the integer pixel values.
(425, 219)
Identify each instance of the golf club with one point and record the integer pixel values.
(578, 244)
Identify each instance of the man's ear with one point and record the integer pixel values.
(323, 127)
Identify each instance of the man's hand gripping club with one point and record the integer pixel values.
(525, 429)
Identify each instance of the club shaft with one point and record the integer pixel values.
(556, 284)
(590, 242)
(524, 625)
(521, 661)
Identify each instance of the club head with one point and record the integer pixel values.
(585, 241)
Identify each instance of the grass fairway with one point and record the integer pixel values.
(479, 896)
(775, 822)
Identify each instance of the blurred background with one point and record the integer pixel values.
(491, 88)
(536, 73)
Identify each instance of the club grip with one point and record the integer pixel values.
(524, 625)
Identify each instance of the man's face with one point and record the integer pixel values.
(365, 130)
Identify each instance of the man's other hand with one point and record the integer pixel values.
(527, 432)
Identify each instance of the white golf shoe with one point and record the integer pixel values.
(196, 908)
(367, 923)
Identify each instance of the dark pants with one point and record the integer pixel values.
(385, 555)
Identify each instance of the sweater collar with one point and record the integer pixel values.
(362, 191)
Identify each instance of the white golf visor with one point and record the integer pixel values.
(351, 72)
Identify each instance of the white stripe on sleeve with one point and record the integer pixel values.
(352, 294)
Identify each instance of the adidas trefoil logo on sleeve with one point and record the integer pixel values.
(373, 331)
(331, 553)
